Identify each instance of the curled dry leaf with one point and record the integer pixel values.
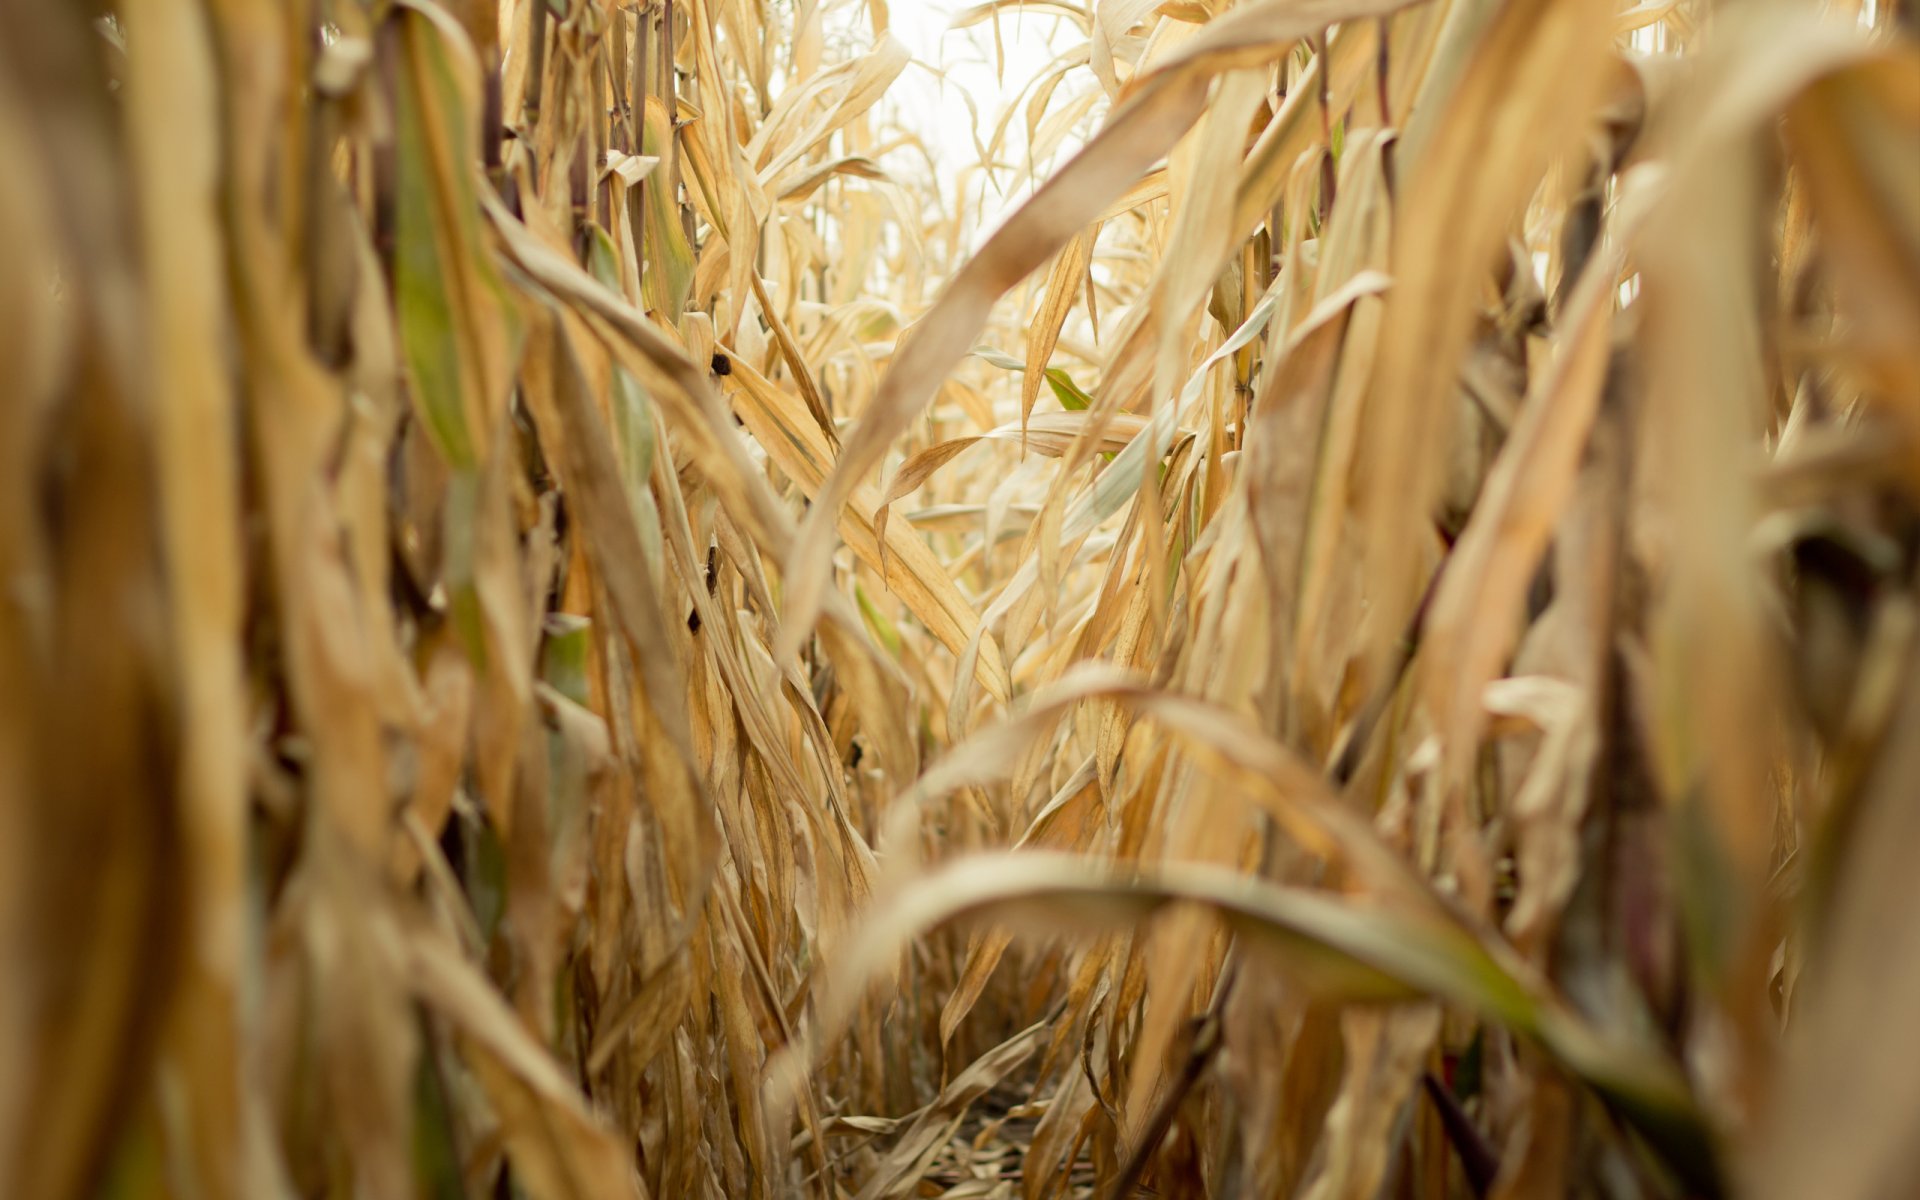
(1409, 543)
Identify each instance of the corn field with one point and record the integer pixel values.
(1325, 606)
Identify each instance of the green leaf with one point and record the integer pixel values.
(669, 259)
(564, 655)
(436, 1161)
(877, 621)
(1071, 397)
(485, 873)
(460, 335)
(633, 429)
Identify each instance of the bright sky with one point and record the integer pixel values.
(1028, 40)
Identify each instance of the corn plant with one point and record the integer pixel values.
(592, 609)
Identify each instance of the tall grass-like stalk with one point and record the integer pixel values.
(570, 628)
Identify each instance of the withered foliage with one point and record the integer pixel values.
(570, 628)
